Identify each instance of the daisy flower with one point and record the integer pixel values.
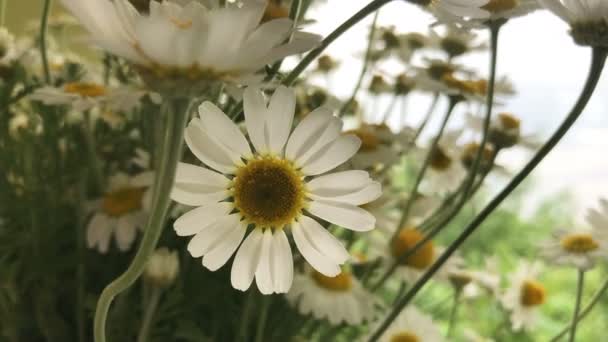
(8, 50)
(412, 325)
(588, 19)
(337, 299)
(184, 44)
(505, 131)
(445, 172)
(501, 10)
(524, 296)
(83, 96)
(380, 147)
(578, 248)
(456, 41)
(120, 212)
(273, 189)
(162, 267)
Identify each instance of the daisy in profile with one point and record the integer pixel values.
(380, 147)
(524, 296)
(445, 172)
(505, 131)
(412, 325)
(456, 41)
(162, 267)
(588, 19)
(274, 189)
(577, 248)
(120, 212)
(339, 299)
(188, 44)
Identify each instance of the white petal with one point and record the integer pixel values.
(282, 262)
(220, 254)
(339, 182)
(280, 118)
(317, 260)
(332, 155)
(344, 215)
(254, 106)
(208, 238)
(197, 194)
(206, 150)
(192, 174)
(223, 130)
(125, 233)
(99, 233)
(246, 261)
(308, 132)
(263, 274)
(324, 241)
(371, 192)
(198, 219)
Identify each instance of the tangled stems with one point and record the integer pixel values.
(585, 311)
(597, 65)
(175, 115)
(310, 57)
(43, 28)
(577, 306)
(368, 53)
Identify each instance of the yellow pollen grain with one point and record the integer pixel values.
(509, 121)
(495, 6)
(269, 192)
(122, 201)
(340, 283)
(532, 293)
(84, 89)
(408, 238)
(405, 336)
(440, 161)
(579, 243)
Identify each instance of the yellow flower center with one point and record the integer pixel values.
(415, 40)
(438, 70)
(464, 86)
(269, 192)
(378, 84)
(404, 84)
(495, 6)
(453, 46)
(509, 121)
(405, 336)
(340, 283)
(469, 154)
(440, 161)
(408, 238)
(391, 41)
(532, 293)
(122, 201)
(84, 89)
(579, 243)
(326, 63)
(181, 24)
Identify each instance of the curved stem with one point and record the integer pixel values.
(585, 311)
(144, 331)
(577, 306)
(597, 65)
(175, 115)
(43, 28)
(310, 57)
(368, 53)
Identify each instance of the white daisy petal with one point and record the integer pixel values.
(369, 193)
(280, 118)
(263, 274)
(220, 254)
(206, 150)
(208, 238)
(344, 215)
(198, 219)
(324, 241)
(282, 262)
(223, 130)
(254, 106)
(246, 261)
(317, 260)
(332, 155)
(309, 131)
(197, 194)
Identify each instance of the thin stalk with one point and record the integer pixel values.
(80, 266)
(585, 311)
(389, 109)
(245, 315)
(2, 12)
(427, 116)
(454, 313)
(597, 65)
(366, 59)
(425, 166)
(93, 161)
(146, 323)
(312, 55)
(577, 306)
(259, 334)
(175, 116)
(43, 28)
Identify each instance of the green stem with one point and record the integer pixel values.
(577, 306)
(175, 116)
(245, 315)
(597, 65)
(259, 335)
(2, 12)
(146, 323)
(585, 311)
(454, 313)
(90, 146)
(43, 28)
(368, 53)
(80, 266)
(312, 55)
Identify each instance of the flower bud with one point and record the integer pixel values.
(162, 268)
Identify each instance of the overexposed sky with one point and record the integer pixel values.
(548, 71)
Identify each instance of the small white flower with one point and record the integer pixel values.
(493, 10)
(8, 51)
(120, 212)
(190, 39)
(456, 41)
(445, 172)
(598, 218)
(276, 187)
(22, 122)
(587, 18)
(337, 299)
(505, 131)
(524, 296)
(412, 325)
(380, 147)
(162, 267)
(578, 248)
